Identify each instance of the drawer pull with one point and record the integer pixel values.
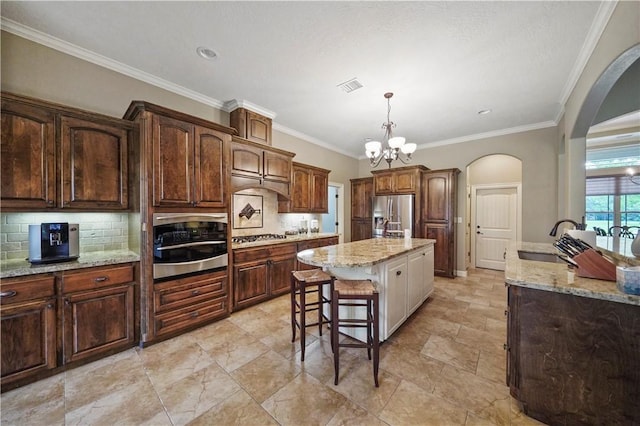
(50, 306)
(9, 293)
(195, 292)
(101, 279)
(194, 314)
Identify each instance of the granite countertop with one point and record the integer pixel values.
(361, 253)
(559, 277)
(20, 267)
(289, 239)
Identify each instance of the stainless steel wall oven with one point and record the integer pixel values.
(189, 243)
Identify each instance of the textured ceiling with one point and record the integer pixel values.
(444, 61)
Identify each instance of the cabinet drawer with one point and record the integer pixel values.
(260, 253)
(190, 316)
(188, 291)
(320, 242)
(13, 290)
(96, 278)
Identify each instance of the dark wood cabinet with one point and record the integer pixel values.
(573, 359)
(260, 273)
(28, 327)
(56, 157)
(98, 312)
(187, 164)
(437, 215)
(361, 208)
(185, 303)
(251, 126)
(311, 244)
(256, 166)
(309, 190)
(94, 165)
(402, 180)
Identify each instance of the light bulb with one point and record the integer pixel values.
(408, 148)
(396, 142)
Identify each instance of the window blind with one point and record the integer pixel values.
(611, 185)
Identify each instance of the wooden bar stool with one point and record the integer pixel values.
(351, 291)
(304, 283)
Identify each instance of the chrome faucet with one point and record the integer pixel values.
(579, 226)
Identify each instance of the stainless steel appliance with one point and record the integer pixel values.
(53, 242)
(392, 214)
(189, 243)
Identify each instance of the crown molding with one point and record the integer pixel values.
(241, 103)
(310, 139)
(94, 58)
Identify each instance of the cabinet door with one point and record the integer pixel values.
(250, 284)
(258, 128)
(361, 198)
(28, 339)
(443, 261)
(93, 165)
(172, 162)
(301, 193)
(396, 295)
(437, 199)
(319, 192)
(97, 321)
(277, 167)
(416, 281)
(27, 157)
(280, 274)
(209, 182)
(246, 160)
(428, 272)
(361, 229)
(383, 183)
(404, 181)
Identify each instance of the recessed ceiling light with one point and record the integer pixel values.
(206, 53)
(484, 111)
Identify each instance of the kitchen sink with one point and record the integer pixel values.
(538, 256)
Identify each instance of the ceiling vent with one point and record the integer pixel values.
(350, 85)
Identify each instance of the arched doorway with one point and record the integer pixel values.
(494, 185)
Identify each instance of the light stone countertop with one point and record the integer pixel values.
(20, 267)
(289, 239)
(558, 277)
(361, 253)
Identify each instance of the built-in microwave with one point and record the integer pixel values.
(189, 243)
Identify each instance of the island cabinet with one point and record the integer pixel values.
(421, 278)
(186, 157)
(251, 125)
(361, 208)
(185, 303)
(402, 180)
(309, 190)
(311, 244)
(28, 318)
(573, 359)
(256, 166)
(58, 157)
(260, 273)
(438, 211)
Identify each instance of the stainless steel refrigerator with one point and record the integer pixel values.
(392, 214)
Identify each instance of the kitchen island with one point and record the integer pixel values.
(402, 270)
(573, 343)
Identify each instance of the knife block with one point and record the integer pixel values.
(594, 265)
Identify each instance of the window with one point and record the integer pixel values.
(612, 201)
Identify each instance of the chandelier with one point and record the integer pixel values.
(395, 147)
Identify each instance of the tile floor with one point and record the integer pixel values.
(444, 366)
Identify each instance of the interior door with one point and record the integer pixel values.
(496, 216)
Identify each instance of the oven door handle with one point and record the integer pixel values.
(199, 243)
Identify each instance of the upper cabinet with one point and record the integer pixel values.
(361, 208)
(251, 126)
(403, 180)
(310, 190)
(187, 156)
(60, 157)
(258, 166)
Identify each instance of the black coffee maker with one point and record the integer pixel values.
(53, 242)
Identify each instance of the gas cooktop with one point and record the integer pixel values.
(259, 237)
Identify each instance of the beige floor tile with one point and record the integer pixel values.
(280, 341)
(451, 352)
(194, 395)
(39, 403)
(231, 354)
(412, 405)
(216, 334)
(263, 376)
(411, 366)
(304, 401)
(480, 339)
(239, 409)
(442, 327)
(166, 368)
(492, 365)
(351, 414)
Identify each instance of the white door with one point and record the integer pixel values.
(495, 224)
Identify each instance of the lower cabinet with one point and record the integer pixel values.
(187, 302)
(421, 278)
(28, 327)
(396, 278)
(260, 273)
(48, 327)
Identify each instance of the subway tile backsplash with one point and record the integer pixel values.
(98, 231)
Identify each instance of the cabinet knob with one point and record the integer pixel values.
(100, 279)
(195, 292)
(50, 306)
(50, 202)
(67, 302)
(7, 294)
(398, 272)
(194, 314)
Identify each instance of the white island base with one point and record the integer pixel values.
(403, 281)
